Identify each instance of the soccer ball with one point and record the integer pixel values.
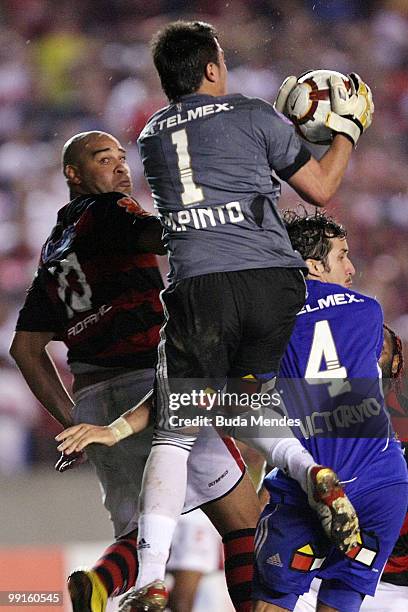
(309, 104)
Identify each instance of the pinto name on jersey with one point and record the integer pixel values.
(201, 218)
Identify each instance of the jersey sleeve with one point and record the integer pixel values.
(128, 226)
(378, 317)
(285, 151)
(37, 313)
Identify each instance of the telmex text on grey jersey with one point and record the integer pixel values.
(190, 115)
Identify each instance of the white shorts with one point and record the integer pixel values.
(215, 465)
(197, 545)
(388, 598)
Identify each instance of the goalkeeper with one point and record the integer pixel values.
(208, 158)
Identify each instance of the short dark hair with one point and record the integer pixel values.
(310, 235)
(181, 52)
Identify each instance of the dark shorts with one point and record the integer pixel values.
(226, 325)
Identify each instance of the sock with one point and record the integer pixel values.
(285, 453)
(292, 457)
(239, 567)
(161, 503)
(117, 567)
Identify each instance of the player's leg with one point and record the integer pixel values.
(235, 517)
(217, 482)
(290, 548)
(203, 329)
(263, 606)
(346, 579)
(266, 331)
(195, 552)
(119, 471)
(184, 590)
(240, 509)
(336, 596)
(112, 574)
(193, 352)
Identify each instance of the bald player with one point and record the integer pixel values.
(97, 290)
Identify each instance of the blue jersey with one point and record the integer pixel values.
(331, 382)
(209, 163)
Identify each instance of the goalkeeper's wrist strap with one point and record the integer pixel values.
(121, 429)
(345, 126)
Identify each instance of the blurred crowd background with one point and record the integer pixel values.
(67, 67)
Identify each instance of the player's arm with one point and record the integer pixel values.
(133, 225)
(29, 351)
(317, 181)
(75, 439)
(150, 240)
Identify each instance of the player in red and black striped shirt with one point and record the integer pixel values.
(98, 283)
(97, 290)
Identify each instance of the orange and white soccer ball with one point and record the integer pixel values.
(308, 105)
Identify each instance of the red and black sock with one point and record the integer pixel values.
(239, 567)
(117, 568)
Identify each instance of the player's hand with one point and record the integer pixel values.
(336, 512)
(284, 90)
(351, 112)
(76, 438)
(67, 462)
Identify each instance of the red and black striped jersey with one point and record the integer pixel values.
(396, 569)
(97, 285)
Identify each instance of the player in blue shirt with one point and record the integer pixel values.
(331, 383)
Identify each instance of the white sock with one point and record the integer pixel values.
(161, 502)
(154, 540)
(292, 457)
(285, 453)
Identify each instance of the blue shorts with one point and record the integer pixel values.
(291, 548)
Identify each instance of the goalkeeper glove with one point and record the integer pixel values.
(283, 94)
(352, 113)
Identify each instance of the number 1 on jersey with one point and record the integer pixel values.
(192, 194)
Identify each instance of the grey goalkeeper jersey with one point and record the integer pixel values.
(209, 163)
